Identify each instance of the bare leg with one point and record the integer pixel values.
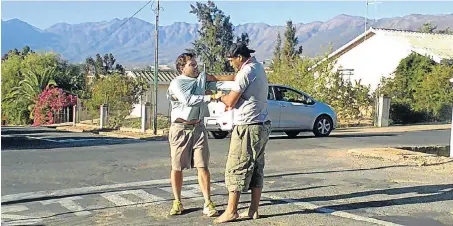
(252, 212)
(231, 213)
(204, 179)
(176, 183)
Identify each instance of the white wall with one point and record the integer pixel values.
(378, 56)
(163, 105)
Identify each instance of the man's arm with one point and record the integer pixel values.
(188, 99)
(242, 81)
(231, 98)
(216, 78)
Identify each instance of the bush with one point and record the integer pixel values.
(403, 114)
(48, 102)
(351, 100)
(119, 92)
(420, 90)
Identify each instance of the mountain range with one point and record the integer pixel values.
(133, 44)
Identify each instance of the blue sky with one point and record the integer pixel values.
(44, 14)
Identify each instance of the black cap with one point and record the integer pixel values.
(239, 49)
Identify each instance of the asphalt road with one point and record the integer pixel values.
(52, 177)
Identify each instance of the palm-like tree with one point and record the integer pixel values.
(31, 86)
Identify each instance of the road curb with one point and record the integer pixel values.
(393, 129)
(138, 137)
(75, 129)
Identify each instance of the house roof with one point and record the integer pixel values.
(438, 46)
(163, 76)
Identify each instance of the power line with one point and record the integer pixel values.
(125, 22)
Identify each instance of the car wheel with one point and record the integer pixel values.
(292, 134)
(219, 134)
(323, 126)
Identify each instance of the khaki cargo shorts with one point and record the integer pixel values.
(245, 164)
(188, 146)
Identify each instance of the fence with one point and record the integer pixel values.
(119, 114)
(63, 115)
(87, 114)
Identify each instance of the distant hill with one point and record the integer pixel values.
(133, 44)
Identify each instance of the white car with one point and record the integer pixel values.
(290, 110)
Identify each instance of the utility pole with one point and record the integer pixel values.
(366, 14)
(156, 69)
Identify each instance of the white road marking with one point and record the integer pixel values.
(18, 219)
(118, 199)
(147, 197)
(83, 190)
(69, 204)
(15, 208)
(187, 191)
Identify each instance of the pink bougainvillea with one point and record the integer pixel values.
(51, 100)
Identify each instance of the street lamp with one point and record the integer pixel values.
(451, 132)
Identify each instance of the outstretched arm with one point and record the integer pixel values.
(242, 81)
(215, 78)
(187, 98)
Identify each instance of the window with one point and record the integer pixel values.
(289, 95)
(270, 94)
(346, 73)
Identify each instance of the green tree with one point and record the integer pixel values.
(445, 31)
(26, 50)
(277, 52)
(409, 74)
(19, 79)
(99, 65)
(12, 112)
(432, 28)
(428, 28)
(215, 36)
(244, 38)
(120, 92)
(34, 82)
(434, 94)
(103, 66)
(289, 51)
(24, 74)
(350, 99)
(420, 90)
(13, 52)
(71, 78)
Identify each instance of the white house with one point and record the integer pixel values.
(377, 53)
(164, 78)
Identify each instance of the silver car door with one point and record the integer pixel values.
(273, 108)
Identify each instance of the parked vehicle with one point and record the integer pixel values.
(291, 111)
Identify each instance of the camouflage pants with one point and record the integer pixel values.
(245, 164)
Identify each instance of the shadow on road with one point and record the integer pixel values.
(424, 194)
(22, 142)
(334, 171)
(42, 138)
(25, 130)
(283, 137)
